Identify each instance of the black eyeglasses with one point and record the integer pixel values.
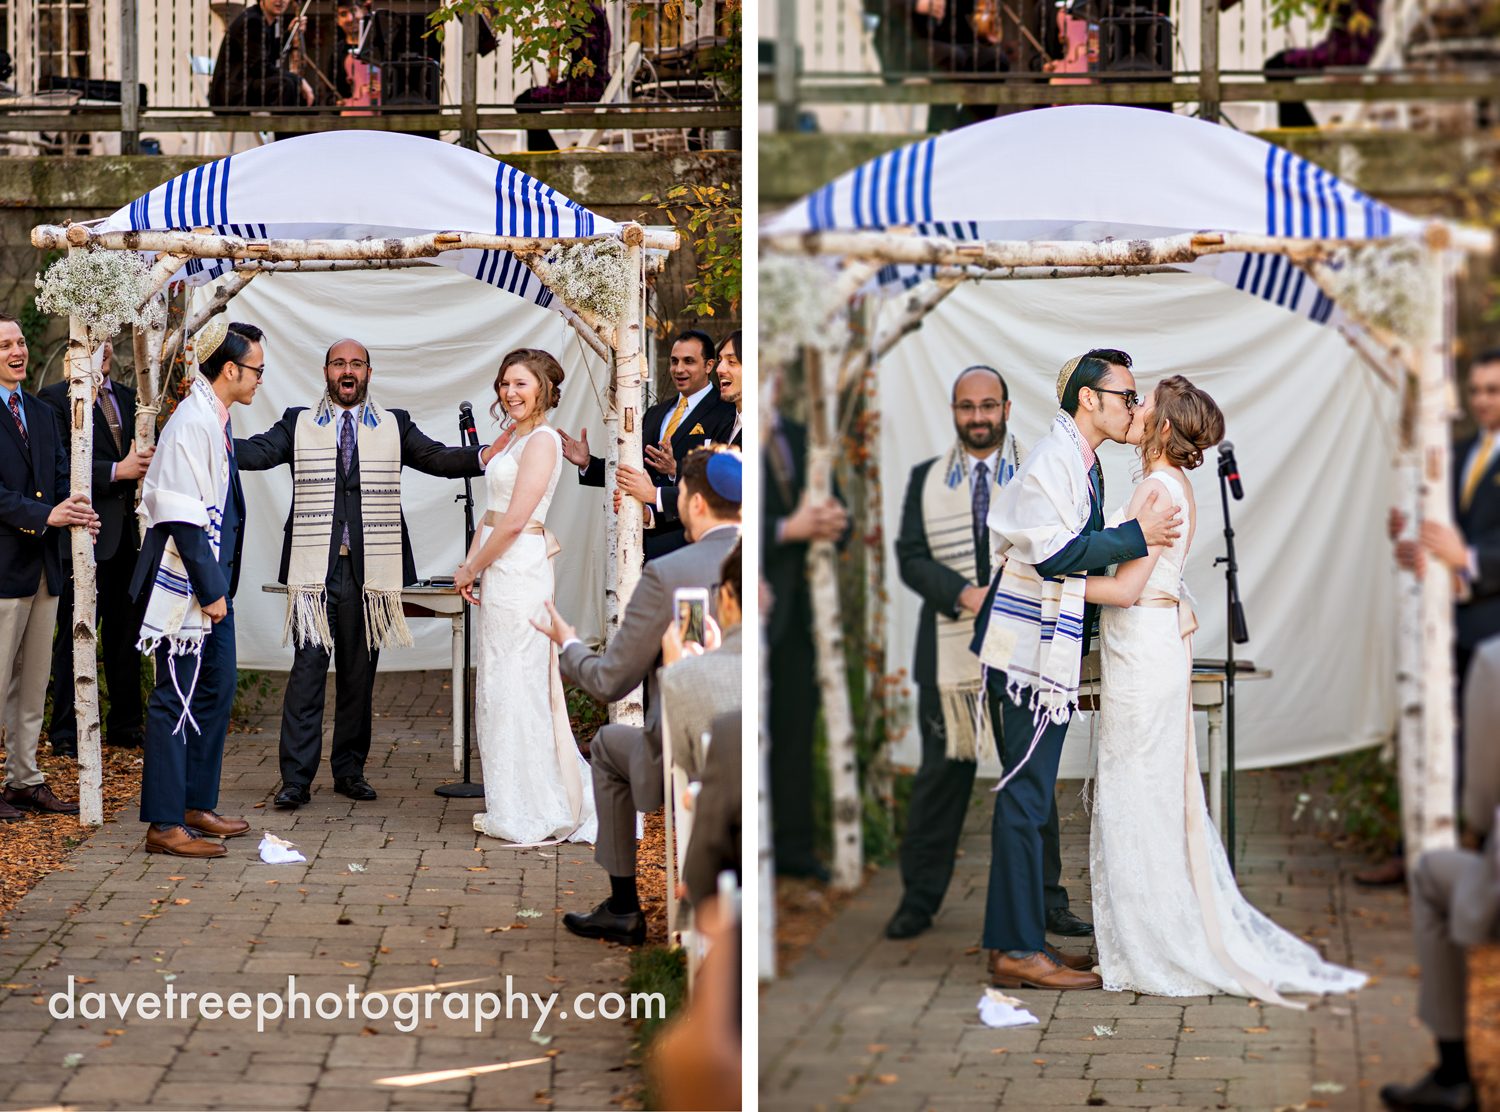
(989, 408)
(1132, 399)
(260, 372)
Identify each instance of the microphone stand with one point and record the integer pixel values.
(1236, 632)
(466, 788)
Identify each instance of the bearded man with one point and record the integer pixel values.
(341, 561)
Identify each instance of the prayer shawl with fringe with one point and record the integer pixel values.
(188, 482)
(315, 469)
(1035, 632)
(948, 518)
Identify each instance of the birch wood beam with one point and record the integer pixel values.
(210, 245)
(162, 272)
(603, 329)
(216, 305)
(323, 266)
(148, 349)
(920, 301)
(83, 621)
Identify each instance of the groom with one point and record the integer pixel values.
(1031, 637)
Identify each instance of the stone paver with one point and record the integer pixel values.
(872, 1023)
(396, 894)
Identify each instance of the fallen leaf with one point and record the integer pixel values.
(182, 901)
(111, 1042)
(887, 1078)
(85, 980)
(477, 868)
(176, 878)
(1256, 1030)
(1039, 1061)
(876, 1048)
(350, 964)
(1153, 1067)
(115, 1031)
(1189, 1029)
(1261, 1056)
(971, 950)
(258, 804)
(384, 950)
(558, 980)
(433, 962)
(366, 1032)
(1001, 1050)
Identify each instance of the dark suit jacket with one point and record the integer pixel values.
(937, 583)
(248, 70)
(715, 844)
(635, 653)
(669, 493)
(114, 502)
(715, 417)
(785, 564)
(420, 452)
(1480, 524)
(33, 479)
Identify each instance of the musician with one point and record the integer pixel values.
(353, 80)
(257, 65)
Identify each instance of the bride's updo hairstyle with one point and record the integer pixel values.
(544, 368)
(1194, 420)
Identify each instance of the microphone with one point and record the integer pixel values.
(466, 424)
(1230, 470)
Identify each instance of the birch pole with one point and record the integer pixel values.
(828, 629)
(625, 447)
(1409, 640)
(1431, 797)
(85, 663)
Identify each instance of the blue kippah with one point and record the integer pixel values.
(724, 474)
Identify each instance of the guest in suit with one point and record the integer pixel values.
(1470, 548)
(117, 466)
(699, 682)
(339, 560)
(944, 555)
(192, 501)
(627, 759)
(670, 429)
(1455, 898)
(35, 507)
(791, 522)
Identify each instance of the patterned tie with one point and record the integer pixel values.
(15, 411)
(346, 453)
(981, 522)
(1471, 482)
(111, 417)
(677, 415)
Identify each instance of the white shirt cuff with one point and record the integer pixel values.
(570, 641)
(112, 471)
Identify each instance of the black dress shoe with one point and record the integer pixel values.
(907, 923)
(292, 795)
(1062, 921)
(628, 929)
(1428, 1096)
(354, 787)
(126, 741)
(67, 749)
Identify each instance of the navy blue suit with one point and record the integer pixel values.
(1014, 917)
(181, 770)
(33, 479)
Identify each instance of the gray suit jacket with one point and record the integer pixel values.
(715, 843)
(695, 691)
(635, 653)
(1475, 915)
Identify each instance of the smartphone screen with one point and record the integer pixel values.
(691, 604)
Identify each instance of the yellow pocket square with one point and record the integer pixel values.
(697, 431)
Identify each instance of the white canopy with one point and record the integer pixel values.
(365, 184)
(1092, 172)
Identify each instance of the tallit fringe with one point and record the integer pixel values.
(966, 722)
(385, 621)
(307, 617)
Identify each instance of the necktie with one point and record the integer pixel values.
(15, 411)
(346, 453)
(1096, 480)
(1471, 483)
(981, 522)
(111, 417)
(677, 415)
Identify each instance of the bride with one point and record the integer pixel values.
(1169, 918)
(537, 787)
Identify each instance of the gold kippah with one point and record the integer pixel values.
(208, 338)
(1066, 373)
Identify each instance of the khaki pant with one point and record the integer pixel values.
(26, 626)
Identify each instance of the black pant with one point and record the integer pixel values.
(537, 139)
(935, 821)
(1289, 113)
(793, 719)
(120, 628)
(302, 706)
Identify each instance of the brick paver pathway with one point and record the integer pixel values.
(395, 893)
(876, 1024)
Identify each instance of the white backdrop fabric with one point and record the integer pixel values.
(436, 338)
(1313, 431)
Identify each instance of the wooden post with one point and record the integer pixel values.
(1432, 796)
(130, 66)
(828, 630)
(85, 663)
(1409, 657)
(630, 372)
(1208, 62)
(468, 134)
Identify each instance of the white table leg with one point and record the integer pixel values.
(456, 685)
(1216, 765)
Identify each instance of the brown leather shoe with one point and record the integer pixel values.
(1072, 961)
(39, 797)
(206, 822)
(1392, 872)
(9, 813)
(180, 842)
(1039, 970)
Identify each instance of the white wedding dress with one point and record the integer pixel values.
(537, 786)
(1153, 849)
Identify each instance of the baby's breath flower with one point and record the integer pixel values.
(103, 288)
(592, 276)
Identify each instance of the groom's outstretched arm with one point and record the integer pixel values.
(1094, 550)
(938, 584)
(271, 448)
